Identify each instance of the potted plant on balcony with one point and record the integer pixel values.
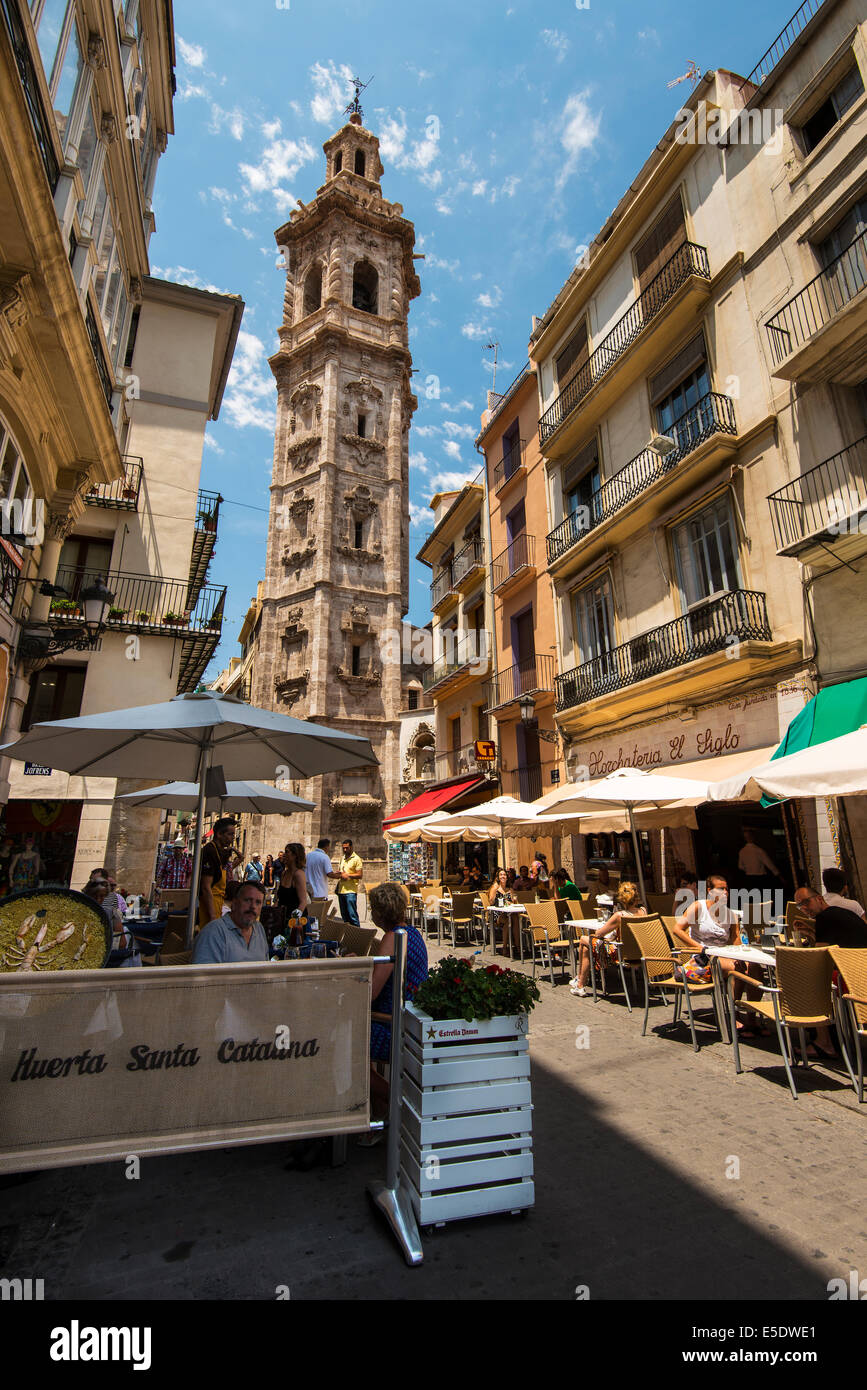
(115, 614)
(209, 521)
(129, 493)
(215, 623)
(142, 617)
(66, 607)
(175, 619)
(466, 1128)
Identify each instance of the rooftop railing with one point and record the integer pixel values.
(688, 260)
(820, 301)
(783, 42)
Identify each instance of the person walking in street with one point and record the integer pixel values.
(349, 878)
(214, 872)
(176, 867)
(255, 870)
(268, 875)
(317, 868)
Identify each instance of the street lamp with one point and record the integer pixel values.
(662, 444)
(527, 707)
(39, 640)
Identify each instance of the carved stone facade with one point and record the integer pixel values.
(337, 567)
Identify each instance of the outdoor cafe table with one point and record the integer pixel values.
(508, 909)
(744, 955)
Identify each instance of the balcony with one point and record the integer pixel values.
(673, 297)
(154, 607)
(494, 410)
(11, 563)
(204, 541)
(468, 660)
(511, 466)
(700, 434)
(123, 493)
(41, 120)
(457, 762)
(821, 334)
(515, 565)
(821, 517)
(740, 615)
(102, 369)
(442, 591)
(468, 566)
(784, 41)
(533, 676)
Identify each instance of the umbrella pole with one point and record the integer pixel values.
(635, 846)
(204, 764)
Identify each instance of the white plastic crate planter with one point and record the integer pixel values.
(466, 1127)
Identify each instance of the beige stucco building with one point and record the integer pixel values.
(681, 387)
(107, 380)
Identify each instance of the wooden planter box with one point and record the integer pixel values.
(466, 1126)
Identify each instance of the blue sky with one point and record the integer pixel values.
(509, 131)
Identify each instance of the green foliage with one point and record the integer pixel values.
(453, 989)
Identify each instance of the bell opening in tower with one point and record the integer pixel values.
(365, 287)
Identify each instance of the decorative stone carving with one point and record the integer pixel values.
(304, 453)
(108, 128)
(290, 689)
(365, 680)
(359, 553)
(360, 502)
(300, 506)
(363, 398)
(96, 52)
(359, 802)
(135, 291)
(14, 284)
(296, 559)
(364, 451)
(305, 405)
(294, 617)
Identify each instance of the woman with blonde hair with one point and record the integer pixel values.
(292, 892)
(629, 904)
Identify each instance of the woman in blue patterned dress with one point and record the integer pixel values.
(388, 908)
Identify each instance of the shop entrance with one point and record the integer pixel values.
(49, 827)
(719, 841)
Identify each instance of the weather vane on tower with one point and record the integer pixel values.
(353, 110)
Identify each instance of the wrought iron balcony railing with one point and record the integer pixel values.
(526, 783)
(495, 409)
(441, 586)
(471, 653)
(820, 301)
(102, 370)
(521, 554)
(829, 499)
(533, 676)
(457, 762)
(509, 463)
(204, 540)
(123, 493)
(40, 119)
(472, 557)
(688, 260)
(784, 40)
(11, 563)
(713, 414)
(142, 602)
(208, 511)
(739, 613)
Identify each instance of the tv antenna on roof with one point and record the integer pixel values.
(495, 348)
(692, 74)
(354, 107)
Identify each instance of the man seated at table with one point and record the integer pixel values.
(238, 936)
(836, 888)
(835, 926)
(565, 887)
(522, 883)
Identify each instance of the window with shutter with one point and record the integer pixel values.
(660, 243)
(691, 358)
(574, 356)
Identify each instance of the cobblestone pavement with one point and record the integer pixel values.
(633, 1141)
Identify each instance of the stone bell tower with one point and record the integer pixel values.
(337, 571)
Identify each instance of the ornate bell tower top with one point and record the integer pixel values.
(353, 154)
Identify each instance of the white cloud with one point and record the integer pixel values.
(435, 262)
(475, 330)
(418, 462)
(458, 431)
(556, 40)
(183, 276)
(578, 134)
(211, 443)
(418, 155)
(271, 129)
(490, 300)
(479, 188)
(332, 91)
(222, 195)
(425, 430)
(191, 53)
(452, 448)
(191, 89)
(419, 516)
(442, 206)
(450, 482)
(649, 36)
(235, 120)
(280, 161)
(250, 390)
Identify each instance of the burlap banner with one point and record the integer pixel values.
(106, 1063)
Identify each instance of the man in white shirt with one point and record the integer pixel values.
(753, 862)
(317, 869)
(835, 888)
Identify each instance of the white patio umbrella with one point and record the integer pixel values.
(630, 789)
(184, 737)
(489, 821)
(425, 828)
(256, 797)
(837, 767)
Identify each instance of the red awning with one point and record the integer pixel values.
(434, 800)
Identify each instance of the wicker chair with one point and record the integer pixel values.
(852, 1020)
(658, 961)
(546, 934)
(800, 999)
(458, 915)
(358, 941)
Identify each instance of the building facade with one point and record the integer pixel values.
(107, 378)
(337, 564)
(675, 401)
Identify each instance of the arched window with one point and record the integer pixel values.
(365, 287)
(338, 161)
(360, 162)
(313, 290)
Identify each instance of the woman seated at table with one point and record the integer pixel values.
(711, 922)
(388, 908)
(629, 904)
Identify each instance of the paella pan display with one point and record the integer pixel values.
(52, 929)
